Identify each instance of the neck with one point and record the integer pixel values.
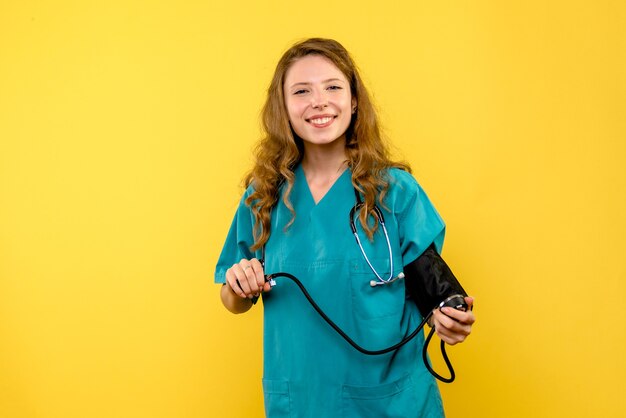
(324, 160)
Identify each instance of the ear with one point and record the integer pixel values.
(353, 105)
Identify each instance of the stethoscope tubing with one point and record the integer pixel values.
(339, 330)
(271, 278)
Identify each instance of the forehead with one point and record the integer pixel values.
(312, 69)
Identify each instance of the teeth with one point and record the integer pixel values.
(321, 121)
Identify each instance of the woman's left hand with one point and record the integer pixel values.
(453, 326)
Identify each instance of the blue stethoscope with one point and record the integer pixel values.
(381, 221)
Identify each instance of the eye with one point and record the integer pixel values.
(301, 91)
(334, 87)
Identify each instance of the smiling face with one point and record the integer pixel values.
(318, 100)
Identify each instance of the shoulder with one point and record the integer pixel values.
(402, 182)
(249, 190)
(243, 206)
(404, 193)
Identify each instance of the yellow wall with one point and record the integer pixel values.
(125, 128)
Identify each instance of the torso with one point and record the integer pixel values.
(303, 355)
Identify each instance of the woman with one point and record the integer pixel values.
(322, 148)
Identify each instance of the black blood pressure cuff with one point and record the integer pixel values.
(429, 281)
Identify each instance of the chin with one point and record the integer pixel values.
(321, 141)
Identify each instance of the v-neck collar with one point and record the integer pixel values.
(305, 185)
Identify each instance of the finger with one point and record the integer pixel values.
(464, 317)
(470, 318)
(450, 339)
(242, 280)
(259, 274)
(232, 281)
(450, 326)
(443, 333)
(442, 320)
(450, 336)
(250, 276)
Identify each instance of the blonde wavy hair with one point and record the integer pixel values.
(280, 149)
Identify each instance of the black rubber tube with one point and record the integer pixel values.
(375, 352)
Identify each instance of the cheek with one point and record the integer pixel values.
(293, 110)
(347, 103)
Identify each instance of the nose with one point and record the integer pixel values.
(319, 99)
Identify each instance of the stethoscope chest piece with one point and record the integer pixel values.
(375, 283)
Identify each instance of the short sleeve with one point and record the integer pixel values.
(419, 223)
(238, 241)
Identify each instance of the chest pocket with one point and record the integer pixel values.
(380, 301)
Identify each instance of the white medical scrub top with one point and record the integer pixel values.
(309, 370)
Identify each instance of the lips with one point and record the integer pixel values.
(321, 121)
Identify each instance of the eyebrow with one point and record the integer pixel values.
(307, 84)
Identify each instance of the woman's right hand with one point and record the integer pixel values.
(246, 279)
